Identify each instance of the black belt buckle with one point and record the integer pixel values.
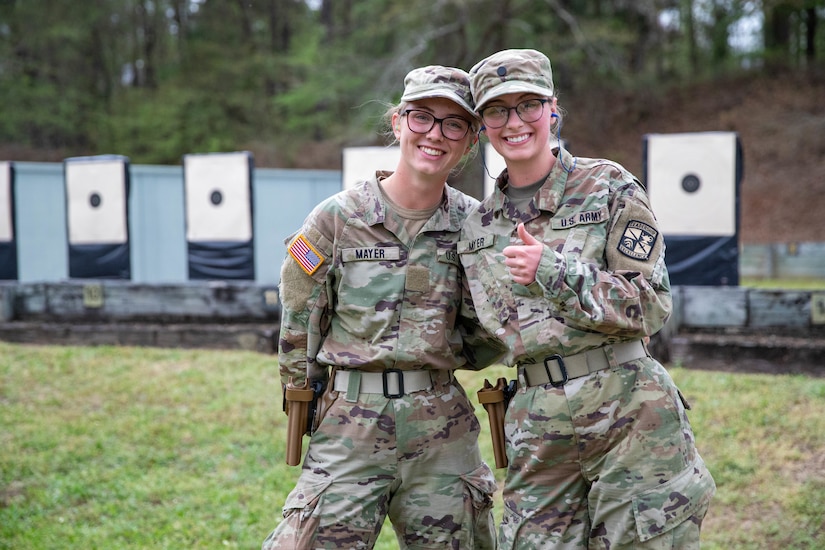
(562, 368)
(400, 374)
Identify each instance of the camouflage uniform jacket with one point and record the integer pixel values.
(365, 294)
(601, 279)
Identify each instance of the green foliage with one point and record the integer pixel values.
(155, 79)
(159, 127)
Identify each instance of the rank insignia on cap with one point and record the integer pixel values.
(305, 254)
(638, 240)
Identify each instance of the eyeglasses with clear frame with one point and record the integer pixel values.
(529, 110)
(452, 127)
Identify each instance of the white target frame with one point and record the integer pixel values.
(361, 163)
(6, 206)
(493, 166)
(229, 174)
(692, 180)
(90, 180)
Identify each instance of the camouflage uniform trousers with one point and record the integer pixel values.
(607, 461)
(414, 458)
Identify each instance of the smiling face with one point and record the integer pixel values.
(520, 142)
(431, 154)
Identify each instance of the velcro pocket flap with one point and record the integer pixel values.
(307, 492)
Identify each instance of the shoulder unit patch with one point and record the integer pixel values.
(305, 254)
(637, 240)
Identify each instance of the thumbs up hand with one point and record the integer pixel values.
(523, 259)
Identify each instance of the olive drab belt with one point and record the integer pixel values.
(391, 383)
(557, 370)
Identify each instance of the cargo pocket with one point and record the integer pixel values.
(480, 485)
(665, 507)
(302, 512)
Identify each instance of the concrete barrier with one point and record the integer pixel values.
(726, 323)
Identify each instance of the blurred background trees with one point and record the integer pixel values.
(156, 79)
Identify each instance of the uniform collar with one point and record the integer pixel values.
(547, 198)
(375, 209)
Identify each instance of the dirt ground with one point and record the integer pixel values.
(745, 357)
(780, 122)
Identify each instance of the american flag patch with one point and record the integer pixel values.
(305, 254)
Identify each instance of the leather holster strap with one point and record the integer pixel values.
(548, 370)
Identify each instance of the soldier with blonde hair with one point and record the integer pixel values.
(373, 303)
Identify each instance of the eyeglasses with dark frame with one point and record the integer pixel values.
(529, 110)
(452, 127)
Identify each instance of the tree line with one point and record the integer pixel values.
(156, 79)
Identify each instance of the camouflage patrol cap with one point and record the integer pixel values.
(438, 81)
(511, 71)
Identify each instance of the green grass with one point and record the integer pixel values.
(144, 448)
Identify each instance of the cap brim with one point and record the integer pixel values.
(415, 96)
(512, 87)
